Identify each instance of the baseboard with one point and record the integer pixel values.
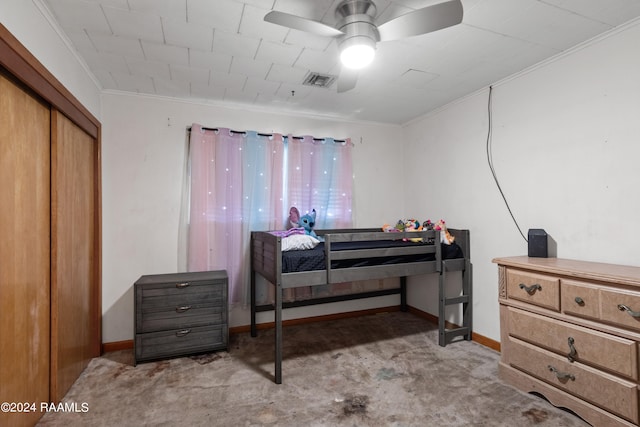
(116, 346)
(480, 339)
(487, 342)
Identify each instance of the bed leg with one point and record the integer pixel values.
(442, 303)
(254, 332)
(278, 335)
(403, 293)
(468, 307)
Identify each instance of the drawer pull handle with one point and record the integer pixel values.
(572, 350)
(562, 376)
(579, 301)
(632, 313)
(182, 285)
(531, 289)
(182, 332)
(183, 308)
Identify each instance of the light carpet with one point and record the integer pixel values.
(377, 370)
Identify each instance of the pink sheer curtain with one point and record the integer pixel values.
(243, 181)
(320, 177)
(236, 187)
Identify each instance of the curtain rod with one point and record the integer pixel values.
(268, 134)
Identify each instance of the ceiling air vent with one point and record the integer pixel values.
(319, 80)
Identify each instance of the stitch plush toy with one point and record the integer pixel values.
(308, 221)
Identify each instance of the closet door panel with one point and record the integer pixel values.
(74, 281)
(24, 250)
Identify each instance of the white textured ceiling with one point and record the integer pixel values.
(222, 51)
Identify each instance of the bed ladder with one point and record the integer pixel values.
(447, 335)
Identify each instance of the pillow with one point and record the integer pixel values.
(297, 242)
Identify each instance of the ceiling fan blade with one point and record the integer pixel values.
(302, 24)
(347, 79)
(422, 21)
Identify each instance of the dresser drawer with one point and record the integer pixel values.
(620, 307)
(580, 299)
(538, 289)
(180, 316)
(605, 351)
(617, 307)
(175, 342)
(609, 392)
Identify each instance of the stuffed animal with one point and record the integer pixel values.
(413, 225)
(308, 221)
(294, 218)
(445, 236)
(389, 229)
(428, 226)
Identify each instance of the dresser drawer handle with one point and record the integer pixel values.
(632, 313)
(572, 350)
(531, 289)
(182, 285)
(182, 332)
(579, 301)
(183, 308)
(562, 376)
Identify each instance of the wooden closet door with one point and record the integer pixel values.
(75, 310)
(24, 250)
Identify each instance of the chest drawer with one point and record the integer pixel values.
(173, 293)
(576, 343)
(616, 395)
(180, 316)
(538, 289)
(177, 342)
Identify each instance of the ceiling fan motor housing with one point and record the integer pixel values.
(355, 7)
(355, 20)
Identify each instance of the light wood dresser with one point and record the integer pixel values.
(180, 314)
(570, 332)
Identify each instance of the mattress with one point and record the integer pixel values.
(314, 259)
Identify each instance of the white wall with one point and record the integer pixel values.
(143, 148)
(29, 22)
(565, 150)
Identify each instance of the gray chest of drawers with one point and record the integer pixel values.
(180, 314)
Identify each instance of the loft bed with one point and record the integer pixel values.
(361, 254)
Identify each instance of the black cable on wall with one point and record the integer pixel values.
(490, 161)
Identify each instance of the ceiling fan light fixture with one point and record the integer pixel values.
(357, 52)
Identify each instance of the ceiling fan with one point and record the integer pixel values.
(357, 32)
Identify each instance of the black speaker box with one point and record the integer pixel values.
(541, 245)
